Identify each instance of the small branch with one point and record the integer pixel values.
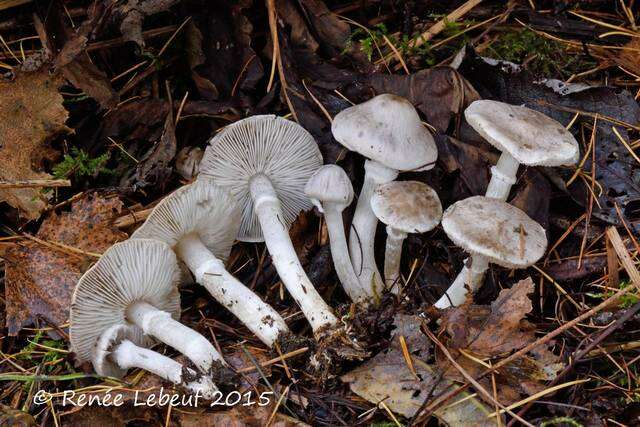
(35, 183)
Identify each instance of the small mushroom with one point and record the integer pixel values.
(388, 132)
(492, 231)
(200, 222)
(405, 207)
(524, 136)
(265, 162)
(330, 190)
(116, 352)
(135, 282)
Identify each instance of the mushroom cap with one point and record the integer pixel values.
(408, 206)
(330, 184)
(111, 337)
(529, 136)
(203, 208)
(496, 230)
(128, 272)
(278, 148)
(388, 130)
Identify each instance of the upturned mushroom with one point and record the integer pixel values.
(265, 162)
(524, 136)
(388, 132)
(492, 231)
(200, 222)
(330, 190)
(116, 352)
(405, 207)
(135, 283)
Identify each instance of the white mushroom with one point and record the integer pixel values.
(405, 207)
(491, 231)
(116, 352)
(265, 162)
(330, 190)
(200, 222)
(135, 282)
(524, 136)
(388, 131)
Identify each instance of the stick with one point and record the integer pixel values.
(35, 183)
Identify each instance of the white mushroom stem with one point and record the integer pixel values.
(363, 228)
(503, 176)
(127, 355)
(340, 254)
(471, 276)
(209, 271)
(161, 325)
(392, 255)
(276, 236)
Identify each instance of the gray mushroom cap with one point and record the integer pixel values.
(496, 230)
(529, 136)
(388, 130)
(278, 148)
(330, 184)
(409, 206)
(128, 272)
(203, 208)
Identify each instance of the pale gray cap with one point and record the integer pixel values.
(330, 184)
(278, 148)
(529, 136)
(128, 272)
(408, 206)
(202, 208)
(388, 130)
(496, 230)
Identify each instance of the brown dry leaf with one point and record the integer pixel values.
(40, 279)
(490, 332)
(15, 417)
(32, 114)
(388, 378)
(253, 416)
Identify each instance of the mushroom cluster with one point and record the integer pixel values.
(255, 177)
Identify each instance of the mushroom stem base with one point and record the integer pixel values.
(283, 255)
(258, 316)
(363, 228)
(471, 276)
(127, 355)
(161, 325)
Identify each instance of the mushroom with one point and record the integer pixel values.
(200, 222)
(405, 207)
(265, 161)
(388, 131)
(330, 190)
(491, 231)
(134, 282)
(523, 136)
(115, 352)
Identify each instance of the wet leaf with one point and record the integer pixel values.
(388, 378)
(40, 279)
(32, 114)
(493, 332)
(15, 417)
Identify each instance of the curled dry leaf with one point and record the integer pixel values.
(39, 279)
(492, 332)
(388, 378)
(32, 114)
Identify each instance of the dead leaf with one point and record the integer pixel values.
(490, 333)
(32, 114)
(387, 378)
(40, 279)
(439, 93)
(15, 418)
(254, 416)
(132, 14)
